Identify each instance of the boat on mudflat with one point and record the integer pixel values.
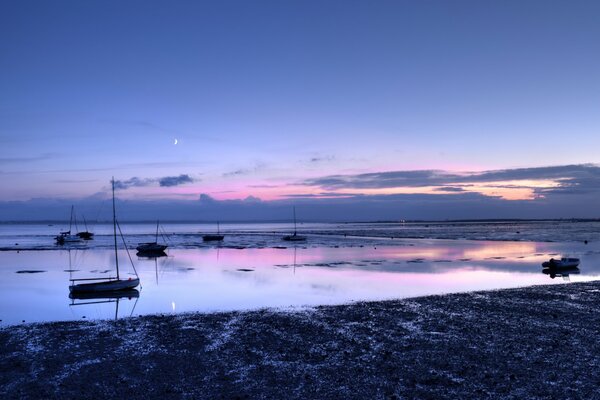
(294, 237)
(213, 237)
(152, 247)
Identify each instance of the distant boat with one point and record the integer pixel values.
(87, 235)
(295, 237)
(111, 284)
(151, 247)
(66, 237)
(211, 237)
(563, 263)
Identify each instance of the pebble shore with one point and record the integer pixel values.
(540, 342)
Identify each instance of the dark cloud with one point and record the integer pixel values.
(175, 180)
(318, 159)
(259, 165)
(133, 182)
(321, 195)
(166, 181)
(578, 178)
(449, 189)
(439, 206)
(237, 172)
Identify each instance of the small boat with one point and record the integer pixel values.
(87, 235)
(294, 237)
(105, 285)
(151, 247)
(66, 236)
(211, 237)
(111, 284)
(563, 263)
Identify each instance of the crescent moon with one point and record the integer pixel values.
(175, 142)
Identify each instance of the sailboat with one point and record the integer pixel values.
(106, 284)
(211, 237)
(152, 247)
(87, 235)
(295, 237)
(66, 237)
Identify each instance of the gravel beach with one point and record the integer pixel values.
(540, 342)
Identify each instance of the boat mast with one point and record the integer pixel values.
(71, 220)
(294, 220)
(218, 228)
(156, 239)
(115, 226)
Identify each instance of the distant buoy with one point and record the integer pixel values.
(585, 241)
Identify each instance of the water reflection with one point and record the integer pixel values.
(83, 299)
(561, 272)
(223, 279)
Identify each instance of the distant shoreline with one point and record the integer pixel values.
(167, 221)
(534, 342)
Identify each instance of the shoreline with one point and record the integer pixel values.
(532, 342)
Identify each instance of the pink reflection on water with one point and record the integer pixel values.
(211, 279)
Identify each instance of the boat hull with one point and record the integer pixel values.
(563, 263)
(85, 235)
(105, 286)
(151, 248)
(294, 238)
(213, 238)
(62, 239)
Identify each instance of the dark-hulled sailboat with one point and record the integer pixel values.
(213, 237)
(295, 237)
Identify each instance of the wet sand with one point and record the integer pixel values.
(535, 342)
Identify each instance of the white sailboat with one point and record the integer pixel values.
(110, 284)
(66, 236)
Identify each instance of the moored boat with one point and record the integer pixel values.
(294, 237)
(111, 284)
(152, 247)
(213, 237)
(66, 236)
(563, 263)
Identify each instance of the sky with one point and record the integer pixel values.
(351, 110)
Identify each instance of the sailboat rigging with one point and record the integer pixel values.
(295, 237)
(111, 283)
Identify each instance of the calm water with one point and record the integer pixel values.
(215, 279)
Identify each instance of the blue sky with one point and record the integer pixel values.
(269, 98)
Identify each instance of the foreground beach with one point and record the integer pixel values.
(535, 342)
